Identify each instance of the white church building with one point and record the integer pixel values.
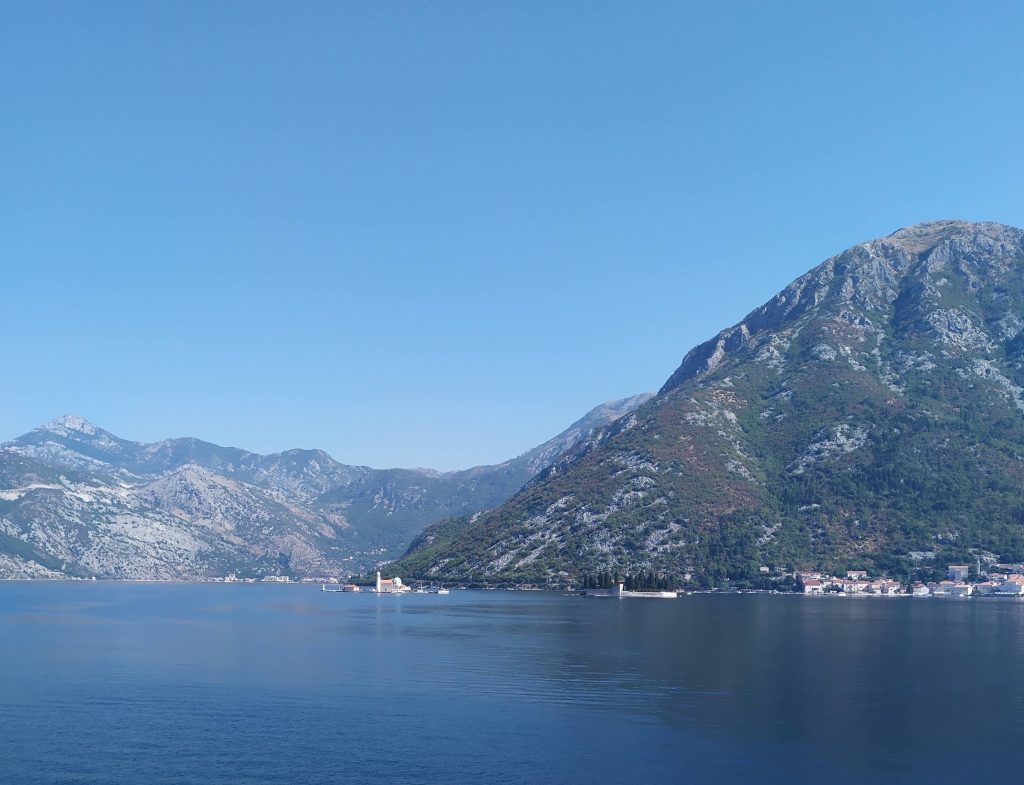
(390, 585)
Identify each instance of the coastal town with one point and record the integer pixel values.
(1002, 580)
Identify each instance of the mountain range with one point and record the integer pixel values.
(871, 415)
(76, 500)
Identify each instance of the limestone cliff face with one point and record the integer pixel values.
(78, 500)
(896, 279)
(870, 410)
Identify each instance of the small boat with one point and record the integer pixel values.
(442, 591)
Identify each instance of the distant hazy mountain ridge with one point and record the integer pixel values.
(870, 413)
(78, 500)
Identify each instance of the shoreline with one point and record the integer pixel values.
(548, 590)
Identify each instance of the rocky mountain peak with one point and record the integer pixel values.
(865, 286)
(70, 422)
(922, 237)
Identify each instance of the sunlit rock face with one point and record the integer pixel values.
(76, 500)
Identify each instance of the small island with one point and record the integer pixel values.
(639, 586)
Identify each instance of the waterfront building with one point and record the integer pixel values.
(958, 572)
(390, 585)
(813, 586)
(1013, 586)
(886, 587)
(986, 588)
(951, 589)
(854, 586)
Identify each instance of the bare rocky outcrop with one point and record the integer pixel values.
(77, 500)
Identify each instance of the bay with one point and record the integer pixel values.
(202, 683)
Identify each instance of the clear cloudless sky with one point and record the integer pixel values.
(435, 233)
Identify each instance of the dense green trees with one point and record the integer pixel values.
(641, 581)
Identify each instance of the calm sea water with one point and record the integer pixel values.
(145, 683)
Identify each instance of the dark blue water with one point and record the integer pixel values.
(142, 683)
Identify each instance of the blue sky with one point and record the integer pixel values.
(433, 234)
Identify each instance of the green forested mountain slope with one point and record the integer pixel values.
(869, 414)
